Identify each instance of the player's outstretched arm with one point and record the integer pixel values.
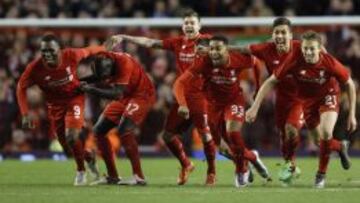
(268, 85)
(351, 92)
(142, 41)
(113, 93)
(179, 92)
(257, 74)
(24, 82)
(242, 49)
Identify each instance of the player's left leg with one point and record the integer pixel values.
(174, 126)
(135, 112)
(290, 140)
(234, 118)
(326, 127)
(237, 145)
(61, 118)
(74, 121)
(200, 121)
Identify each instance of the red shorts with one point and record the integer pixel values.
(220, 113)
(198, 116)
(66, 115)
(313, 107)
(288, 111)
(134, 108)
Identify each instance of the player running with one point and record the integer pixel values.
(119, 77)
(317, 76)
(54, 73)
(288, 108)
(184, 48)
(220, 71)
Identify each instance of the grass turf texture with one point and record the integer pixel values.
(51, 182)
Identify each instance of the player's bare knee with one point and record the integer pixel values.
(233, 126)
(167, 136)
(315, 135)
(326, 134)
(205, 136)
(125, 126)
(71, 136)
(102, 127)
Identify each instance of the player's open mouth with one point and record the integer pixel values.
(49, 60)
(280, 42)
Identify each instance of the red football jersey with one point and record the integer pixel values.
(267, 52)
(314, 80)
(222, 84)
(58, 84)
(184, 50)
(130, 73)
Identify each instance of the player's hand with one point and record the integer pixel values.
(85, 87)
(351, 124)
(27, 122)
(251, 114)
(184, 112)
(112, 42)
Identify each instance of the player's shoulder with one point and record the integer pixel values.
(70, 50)
(122, 58)
(263, 45)
(35, 63)
(328, 59)
(235, 55)
(114, 55)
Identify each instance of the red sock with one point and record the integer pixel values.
(132, 151)
(324, 155)
(78, 151)
(335, 145)
(210, 153)
(238, 148)
(106, 151)
(177, 149)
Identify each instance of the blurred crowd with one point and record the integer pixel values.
(20, 46)
(171, 8)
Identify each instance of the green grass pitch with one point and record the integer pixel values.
(51, 182)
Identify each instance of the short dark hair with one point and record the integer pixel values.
(220, 38)
(311, 35)
(51, 37)
(203, 42)
(190, 13)
(282, 21)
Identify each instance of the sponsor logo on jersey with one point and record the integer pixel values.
(305, 77)
(63, 81)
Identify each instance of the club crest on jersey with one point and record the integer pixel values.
(276, 62)
(47, 78)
